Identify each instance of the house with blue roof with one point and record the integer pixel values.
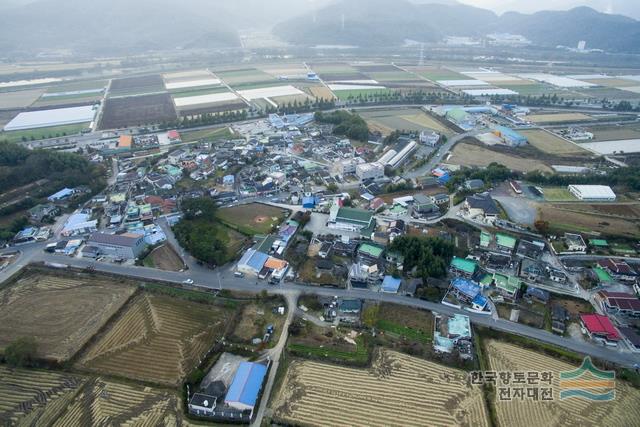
(63, 194)
(246, 386)
(391, 285)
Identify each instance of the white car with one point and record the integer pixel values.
(188, 282)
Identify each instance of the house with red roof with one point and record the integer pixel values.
(600, 329)
(619, 303)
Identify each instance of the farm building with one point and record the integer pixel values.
(593, 193)
(600, 328)
(350, 219)
(246, 386)
(461, 118)
(63, 194)
(119, 246)
(510, 136)
(50, 118)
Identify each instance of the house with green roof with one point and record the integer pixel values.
(350, 219)
(599, 243)
(508, 286)
(463, 267)
(370, 250)
(485, 239)
(505, 243)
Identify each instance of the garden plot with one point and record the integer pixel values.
(623, 411)
(61, 312)
(157, 339)
(396, 390)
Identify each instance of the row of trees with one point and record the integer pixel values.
(346, 124)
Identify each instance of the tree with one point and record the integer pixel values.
(332, 188)
(370, 315)
(21, 352)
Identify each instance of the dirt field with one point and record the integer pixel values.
(165, 258)
(549, 143)
(614, 133)
(409, 119)
(322, 92)
(558, 118)
(103, 402)
(396, 390)
(565, 219)
(622, 210)
(255, 218)
(472, 155)
(130, 86)
(19, 99)
(254, 320)
(157, 339)
(137, 110)
(623, 411)
(32, 397)
(61, 312)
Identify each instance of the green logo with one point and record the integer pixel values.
(588, 382)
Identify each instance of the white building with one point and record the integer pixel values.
(370, 171)
(594, 193)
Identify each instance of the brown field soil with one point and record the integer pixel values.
(626, 210)
(550, 143)
(137, 110)
(20, 99)
(60, 311)
(33, 397)
(396, 390)
(413, 318)
(612, 82)
(553, 118)
(562, 219)
(157, 339)
(613, 133)
(574, 306)
(166, 258)
(322, 92)
(251, 218)
(408, 119)
(104, 402)
(466, 154)
(623, 411)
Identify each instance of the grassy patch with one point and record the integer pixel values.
(359, 356)
(403, 331)
(207, 134)
(251, 219)
(43, 133)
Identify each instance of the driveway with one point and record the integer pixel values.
(519, 209)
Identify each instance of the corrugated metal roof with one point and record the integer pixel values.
(246, 384)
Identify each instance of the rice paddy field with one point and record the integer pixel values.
(563, 218)
(437, 73)
(30, 397)
(552, 144)
(623, 411)
(410, 119)
(105, 402)
(614, 133)
(61, 312)
(157, 339)
(396, 390)
(337, 71)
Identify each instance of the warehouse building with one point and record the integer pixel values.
(246, 386)
(126, 246)
(593, 193)
(50, 118)
(350, 219)
(510, 136)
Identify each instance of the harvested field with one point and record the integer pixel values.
(32, 397)
(614, 133)
(60, 311)
(137, 110)
(322, 92)
(165, 258)
(157, 339)
(623, 411)
(255, 218)
(558, 118)
(466, 154)
(103, 402)
(244, 76)
(437, 73)
(409, 119)
(565, 219)
(552, 144)
(19, 99)
(610, 93)
(396, 390)
(131, 86)
(291, 99)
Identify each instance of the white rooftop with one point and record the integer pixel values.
(594, 191)
(47, 118)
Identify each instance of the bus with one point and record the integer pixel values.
(516, 187)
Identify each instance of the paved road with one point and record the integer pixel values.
(210, 279)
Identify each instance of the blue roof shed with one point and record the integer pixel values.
(391, 285)
(245, 388)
